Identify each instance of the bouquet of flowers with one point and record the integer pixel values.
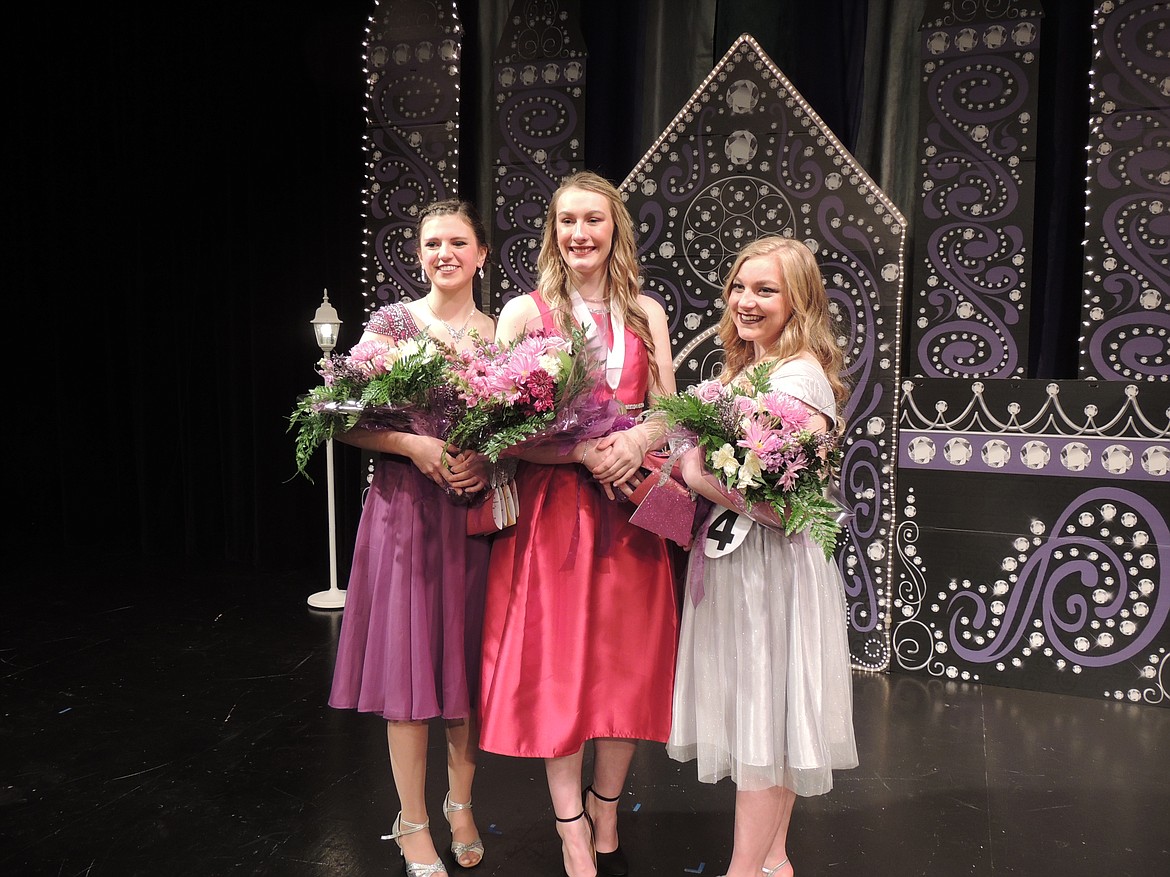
(377, 386)
(536, 389)
(761, 454)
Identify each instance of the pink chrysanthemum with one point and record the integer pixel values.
(789, 411)
(792, 470)
(760, 438)
(524, 361)
(370, 358)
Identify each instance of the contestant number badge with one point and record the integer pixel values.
(726, 533)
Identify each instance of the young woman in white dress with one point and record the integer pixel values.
(763, 687)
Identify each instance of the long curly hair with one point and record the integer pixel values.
(809, 328)
(623, 281)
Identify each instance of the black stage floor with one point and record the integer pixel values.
(176, 725)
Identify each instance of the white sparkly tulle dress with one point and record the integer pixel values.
(763, 689)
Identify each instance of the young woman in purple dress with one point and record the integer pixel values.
(410, 639)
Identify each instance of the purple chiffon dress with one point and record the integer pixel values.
(411, 630)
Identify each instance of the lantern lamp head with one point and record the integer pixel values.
(326, 325)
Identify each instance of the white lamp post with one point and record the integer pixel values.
(326, 324)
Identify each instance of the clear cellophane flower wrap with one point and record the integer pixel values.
(405, 388)
(760, 453)
(543, 389)
(540, 390)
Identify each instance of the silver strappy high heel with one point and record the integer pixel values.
(768, 872)
(414, 869)
(475, 848)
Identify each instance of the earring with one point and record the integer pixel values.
(481, 272)
(422, 274)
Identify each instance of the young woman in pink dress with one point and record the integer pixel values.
(580, 624)
(409, 648)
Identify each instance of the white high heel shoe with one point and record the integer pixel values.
(414, 869)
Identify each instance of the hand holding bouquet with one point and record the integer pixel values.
(760, 453)
(378, 386)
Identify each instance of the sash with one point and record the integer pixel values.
(615, 357)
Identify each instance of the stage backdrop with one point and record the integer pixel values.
(748, 156)
(1032, 542)
(1007, 530)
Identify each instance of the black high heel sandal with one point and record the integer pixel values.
(613, 864)
(588, 822)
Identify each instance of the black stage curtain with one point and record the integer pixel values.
(184, 181)
(1058, 279)
(187, 181)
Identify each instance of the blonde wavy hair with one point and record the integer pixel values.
(809, 328)
(623, 281)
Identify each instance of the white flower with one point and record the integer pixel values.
(749, 472)
(724, 459)
(409, 347)
(551, 363)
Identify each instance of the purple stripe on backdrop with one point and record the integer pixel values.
(1061, 456)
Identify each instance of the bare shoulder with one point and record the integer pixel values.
(370, 335)
(516, 316)
(483, 324)
(651, 306)
(521, 307)
(416, 307)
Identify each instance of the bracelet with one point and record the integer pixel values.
(585, 453)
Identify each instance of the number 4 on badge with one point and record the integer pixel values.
(726, 533)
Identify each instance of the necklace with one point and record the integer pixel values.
(596, 307)
(456, 334)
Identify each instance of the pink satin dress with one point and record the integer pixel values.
(580, 621)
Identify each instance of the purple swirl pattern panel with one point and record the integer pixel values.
(1053, 573)
(747, 156)
(1126, 302)
(974, 221)
(412, 146)
(539, 107)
